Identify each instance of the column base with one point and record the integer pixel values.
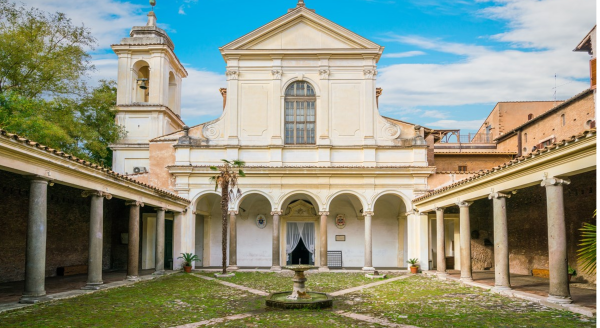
(368, 269)
(559, 299)
(441, 275)
(34, 299)
(133, 278)
(324, 269)
(466, 279)
(93, 286)
(498, 289)
(159, 273)
(276, 268)
(232, 268)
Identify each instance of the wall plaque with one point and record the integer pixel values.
(340, 221)
(261, 221)
(340, 237)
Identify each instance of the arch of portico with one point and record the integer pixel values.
(207, 224)
(549, 171)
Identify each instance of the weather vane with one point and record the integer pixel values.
(153, 3)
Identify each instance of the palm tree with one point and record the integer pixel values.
(226, 179)
(587, 252)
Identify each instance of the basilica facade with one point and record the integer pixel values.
(326, 173)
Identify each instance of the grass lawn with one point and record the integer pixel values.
(184, 298)
(426, 302)
(270, 282)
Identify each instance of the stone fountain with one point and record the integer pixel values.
(299, 297)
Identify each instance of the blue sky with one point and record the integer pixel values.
(445, 65)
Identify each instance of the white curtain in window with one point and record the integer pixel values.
(308, 237)
(293, 235)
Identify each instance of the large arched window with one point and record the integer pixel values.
(300, 114)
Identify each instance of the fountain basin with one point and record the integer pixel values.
(281, 300)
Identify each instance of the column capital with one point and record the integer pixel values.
(324, 213)
(40, 178)
(134, 203)
(368, 213)
(164, 209)
(438, 209)
(276, 213)
(498, 195)
(234, 212)
(555, 182)
(99, 193)
(464, 204)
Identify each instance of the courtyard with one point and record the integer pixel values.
(197, 299)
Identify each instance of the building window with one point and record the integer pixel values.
(525, 137)
(563, 120)
(300, 114)
(462, 168)
(529, 117)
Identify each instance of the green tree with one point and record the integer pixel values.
(226, 179)
(42, 52)
(83, 127)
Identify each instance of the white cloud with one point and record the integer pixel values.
(434, 114)
(109, 20)
(201, 100)
(487, 75)
(404, 54)
(544, 24)
(453, 124)
(181, 10)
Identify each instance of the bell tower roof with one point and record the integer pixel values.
(149, 34)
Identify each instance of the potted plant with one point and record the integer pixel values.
(571, 272)
(188, 258)
(414, 267)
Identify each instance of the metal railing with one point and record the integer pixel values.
(334, 259)
(457, 137)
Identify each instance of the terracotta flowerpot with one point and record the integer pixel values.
(414, 269)
(187, 269)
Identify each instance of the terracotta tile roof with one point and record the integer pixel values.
(315, 167)
(513, 162)
(7, 135)
(546, 113)
(442, 152)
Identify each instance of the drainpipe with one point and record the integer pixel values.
(519, 144)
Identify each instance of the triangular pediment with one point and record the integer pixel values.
(301, 29)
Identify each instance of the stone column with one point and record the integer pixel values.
(441, 242)
(368, 242)
(159, 254)
(134, 240)
(501, 267)
(232, 241)
(323, 231)
(96, 237)
(276, 247)
(557, 241)
(466, 271)
(35, 261)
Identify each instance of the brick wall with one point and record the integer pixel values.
(68, 228)
(528, 226)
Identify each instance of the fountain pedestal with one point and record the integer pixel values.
(299, 291)
(299, 298)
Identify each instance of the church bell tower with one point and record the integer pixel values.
(148, 94)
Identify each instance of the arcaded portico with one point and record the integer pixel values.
(550, 170)
(44, 168)
(341, 221)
